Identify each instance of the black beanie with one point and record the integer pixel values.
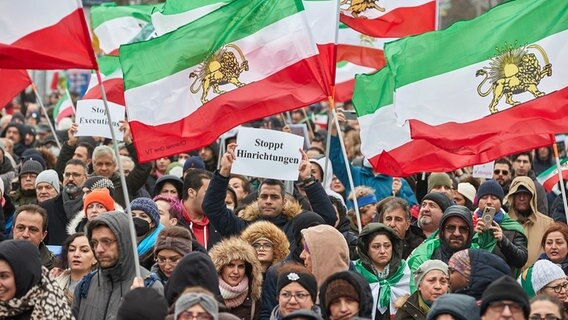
(440, 198)
(490, 187)
(306, 280)
(143, 303)
(505, 288)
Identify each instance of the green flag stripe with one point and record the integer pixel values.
(180, 6)
(148, 61)
(102, 13)
(372, 91)
(465, 43)
(108, 64)
(546, 174)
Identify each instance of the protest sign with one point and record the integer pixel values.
(267, 154)
(483, 170)
(92, 120)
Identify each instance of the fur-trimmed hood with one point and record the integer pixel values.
(259, 229)
(291, 209)
(235, 248)
(80, 215)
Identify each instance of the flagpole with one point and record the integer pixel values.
(122, 176)
(72, 104)
(560, 178)
(40, 102)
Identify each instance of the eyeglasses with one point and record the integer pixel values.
(559, 288)
(259, 246)
(545, 317)
(186, 315)
(503, 172)
(499, 307)
(103, 242)
(451, 228)
(171, 260)
(300, 296)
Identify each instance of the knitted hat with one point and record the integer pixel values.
(142, 303)
(467, 190)
(195, 162)
(340, 288)
(461, 263)
(177, 244)
(148, 206)
(439, 179)
(306, 280)
(505, 288)
(428, 266)
(98, 182)
(101, 196)
(188, 300)
(490, 187)
(544, 272)
(303, 314)
(31, 166)
(440, 199)
(48, 176)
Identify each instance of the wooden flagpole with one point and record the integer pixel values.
(40, 102)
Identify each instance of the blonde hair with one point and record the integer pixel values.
(361, 191)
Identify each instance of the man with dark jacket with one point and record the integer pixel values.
(272, 204)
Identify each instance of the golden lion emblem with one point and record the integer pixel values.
(220, 69)
(356, 7)
(514, 71)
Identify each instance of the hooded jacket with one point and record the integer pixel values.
(19, 147)
(535, 224)
(327, 177)
(360, 285)
(265, 229)
(228, 224)
(237, 249)
(397, 266)
(486, 267)
(108, 286)
(328, 250)
(459, 306)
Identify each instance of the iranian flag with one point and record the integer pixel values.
(345, 79)
(12, 82)
(177, 13)
(549, 178)
(389, 18)
(115, 25)
(477, 72)
(392, 151)
(64, 108)
(44, 35)
(186, 88)
(111, 75)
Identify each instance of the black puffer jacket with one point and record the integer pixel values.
(485, 268)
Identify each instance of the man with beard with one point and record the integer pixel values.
(456, 233)
(522, 199)
(503, 173)
(431, 209)
(63, 208)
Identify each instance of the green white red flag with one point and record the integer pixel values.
(112, 81)
(389, 18)
(12, 82)
(181, 95)
(549, 178)
(64, 108)
(177, 13)
(44, 35)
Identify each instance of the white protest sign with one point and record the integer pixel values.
(267, 154)
(483, 170)
(92, 120)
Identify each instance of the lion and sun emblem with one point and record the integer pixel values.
(358, 7)
(514, 70)
(222, 68)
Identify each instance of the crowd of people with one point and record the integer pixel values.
(205, 243)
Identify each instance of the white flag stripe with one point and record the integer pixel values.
(166, 23)
(114, 32)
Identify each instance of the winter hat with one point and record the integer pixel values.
(195, 162)
(467, 190)
(461, 263)
(340, 288)
(175, 181)
(505, 288)
(440, 199)
(177, 244)
(188, 300)
(428, 266)
(50, 177)
(302, 314)
(544, 272)
(522, 189)
(33, 154)
(148, 206)
(142, 303)
(490, 187)
(306, 280)
(31, 166)
(460, 306)
(439, 179)
(101, 196)
(99, 182)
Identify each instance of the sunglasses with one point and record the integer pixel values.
(503, 172)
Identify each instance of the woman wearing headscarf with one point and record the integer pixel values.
(196, 305)
(345, 295)
(29, 292)
(269, 241)
(432, 280)
(240, 277)
(297, 290)
(381, 264)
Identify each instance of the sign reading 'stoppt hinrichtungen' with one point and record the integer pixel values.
(267, 154)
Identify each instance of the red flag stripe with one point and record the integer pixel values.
(12, 82)
(363, 56)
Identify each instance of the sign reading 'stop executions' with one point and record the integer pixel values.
(267, 154)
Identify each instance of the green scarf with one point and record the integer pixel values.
(487, 241)
(386, 284)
